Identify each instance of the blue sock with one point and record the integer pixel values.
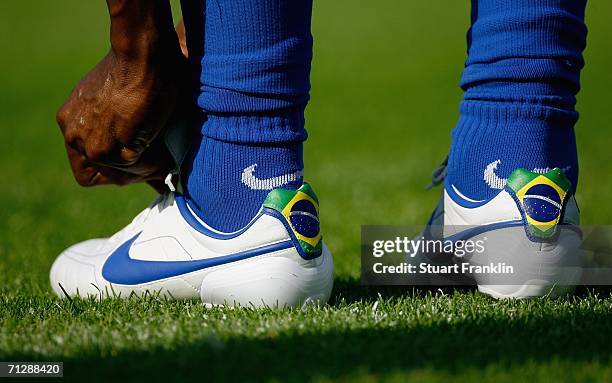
(520, 81)
(255, 86)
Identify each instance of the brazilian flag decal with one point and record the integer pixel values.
(301, 210)
(541, 197)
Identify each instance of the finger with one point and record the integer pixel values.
(63, 116)
(119, 176)
(88, 174)
(155, 163)
(129, 156)
(84, 172)
(65, 113)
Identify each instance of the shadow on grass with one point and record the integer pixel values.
(342, 354)
(582, 336)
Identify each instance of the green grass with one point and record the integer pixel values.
(432, 337)
(384, 99)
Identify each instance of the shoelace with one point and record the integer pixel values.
(159, 203)
(438, 175)
(168, 182)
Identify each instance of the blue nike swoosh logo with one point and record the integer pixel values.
(121, 269)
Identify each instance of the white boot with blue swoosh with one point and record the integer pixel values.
(278, 260)
(532, 225)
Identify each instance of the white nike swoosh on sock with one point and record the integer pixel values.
(254, 183)
(492, 179)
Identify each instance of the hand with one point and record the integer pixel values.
(112, 120)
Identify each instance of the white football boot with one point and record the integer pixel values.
(532, 225)
(278, 260)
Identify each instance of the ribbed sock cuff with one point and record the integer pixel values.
(280, 128)
(507, 136)
(512, 113)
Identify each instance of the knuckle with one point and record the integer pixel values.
(62, 116)
(97, 153)
(71, 137)
(130, 156)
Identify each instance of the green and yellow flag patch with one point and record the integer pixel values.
(541, 197)
(301, 210)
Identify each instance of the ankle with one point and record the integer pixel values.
(228, 182)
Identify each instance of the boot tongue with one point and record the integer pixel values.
(160, 202)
